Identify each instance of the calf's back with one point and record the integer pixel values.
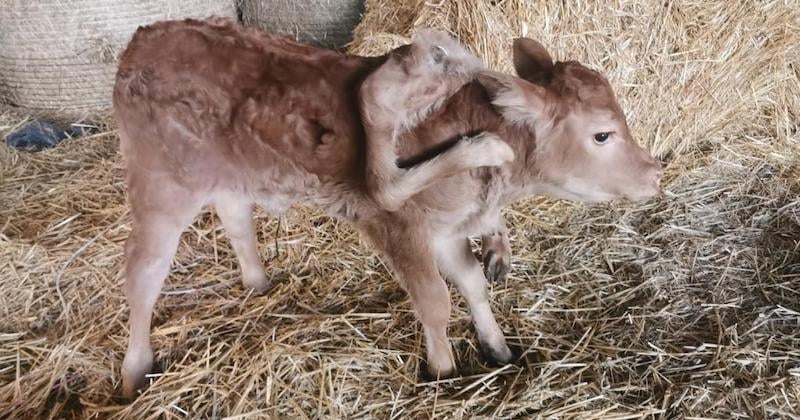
(211, 105)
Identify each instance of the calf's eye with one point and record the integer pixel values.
(601, 138)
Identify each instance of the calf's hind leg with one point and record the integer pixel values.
(158, 220)
(237, 218)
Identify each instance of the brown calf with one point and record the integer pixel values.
(214, 114)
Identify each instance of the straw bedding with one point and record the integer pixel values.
(683, 307)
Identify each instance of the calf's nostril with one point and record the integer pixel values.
(658, 169)
(658, 174)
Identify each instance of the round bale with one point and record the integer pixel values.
(60, 55)
(326, 23)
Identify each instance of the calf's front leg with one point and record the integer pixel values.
(408, 249)
(459, 265)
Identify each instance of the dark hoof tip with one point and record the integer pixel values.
(494, 359)
(425, 374)
(120, 399)
(495, 268)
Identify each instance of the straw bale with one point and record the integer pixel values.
(60, 55)
(327, 23)
(687, 306)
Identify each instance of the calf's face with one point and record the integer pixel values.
(585, 150)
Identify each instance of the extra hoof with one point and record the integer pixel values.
(495, 266)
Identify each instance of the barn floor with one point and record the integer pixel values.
(686, 306)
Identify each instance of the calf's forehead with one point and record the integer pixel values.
(600, 103)
(586, 86)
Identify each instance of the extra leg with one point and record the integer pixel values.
(469, 153)
(400, 94)
(460, 267)
(149, 252)
(237, 218)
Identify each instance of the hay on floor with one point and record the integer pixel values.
(688, 306)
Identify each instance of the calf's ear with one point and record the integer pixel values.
(517, 100)
(532, 61)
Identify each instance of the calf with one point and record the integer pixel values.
(210, 113)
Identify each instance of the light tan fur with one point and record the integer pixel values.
(267, 121)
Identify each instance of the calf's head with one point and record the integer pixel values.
(584, 149)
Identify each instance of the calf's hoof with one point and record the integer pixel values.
(134, 368)
(440, 363)
(258, 282)
(500, 355)
(489, 150)
(496, 266)
(430, 373)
